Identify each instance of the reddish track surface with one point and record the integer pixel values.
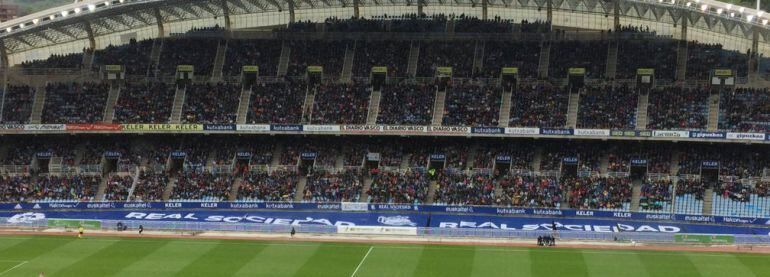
(300, 238)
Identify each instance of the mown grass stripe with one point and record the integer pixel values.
(391, 262)
(222, 260)
(111, 259)
(167, 260)
(605, 264)
(61, 256)
(668, 265)
(553, 262)
(760, 267)
(721, 266)
(456, 262)
(492, 264)
(332, 262)
(278, 261)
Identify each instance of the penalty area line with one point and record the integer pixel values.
(14, 267)
(359, 264)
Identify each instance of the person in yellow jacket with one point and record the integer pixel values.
(80, 232)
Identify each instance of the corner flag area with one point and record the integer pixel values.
(112, 256)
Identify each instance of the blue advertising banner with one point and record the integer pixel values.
(487, 130)
(219, 127)
(286, 128)
(325, 207)
(584, 224)
(255, 217)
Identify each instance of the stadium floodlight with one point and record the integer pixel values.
(121, 1)
(749, 18)
(760, 13)
(107, 3)
(77, 10)
(741, 10)
(21, 25)
(704, 7)
(729, 6)
(35, 21)
(719, 11)
(8, 29)
(764, 21)
(64, 13)
(732, 14)
(688, 4)
(91, 7)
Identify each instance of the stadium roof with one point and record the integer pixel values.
(88, 19)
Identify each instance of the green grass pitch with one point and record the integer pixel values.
(147, 257)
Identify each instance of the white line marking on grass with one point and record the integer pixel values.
(359, 264)
(15, 267)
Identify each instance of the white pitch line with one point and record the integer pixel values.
(15, 267)
(359, 264)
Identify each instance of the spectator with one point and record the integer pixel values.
(472, 105)
(678, 109)
(341, 104)
(262, 53)
(145, 103)
(211, 104)
(18, 102)
(404, 104)
(607, 108)
(539, 106)
(279, 103)
(75, 103)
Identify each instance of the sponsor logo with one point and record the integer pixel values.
(322, 128)
(737, 220)
(671, 134)
(253, 128)
(100, 205)
(279, 206)
(658, 216)
(26, 218)
(219, 127)
(459, 209)
(12, 127)
(329, 206)
(556, 132)
(143, 205)
(209, 205)
(60, 206)
(707, 135)
(699, 218)
(394, 207)
(522, 131)
(487, 130)
(17, 207)
(511, 211)
(362, 128)
(397, 220)
(449, 130)
(546, 212)
(402, 129)
(36, 206)
(286, 128)
(622, 215)
(172, 205)
(592, 132)
(746, 136)
(244, 205)
(45, 127)
(584, 213)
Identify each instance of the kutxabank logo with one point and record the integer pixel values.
(397, 220)
(26, 218)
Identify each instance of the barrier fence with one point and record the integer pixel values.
(430, 233)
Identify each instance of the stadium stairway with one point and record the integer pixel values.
(234, 190)
(88, 60)
(243, 105)
(676, 156)
(169, 188)
(612, 60)
(101, 189)
(505, 109)
(277, 151)
(641, 111)
(478, 57)
(432, 187)
(339, 162)
(572, 110)
(604, 162)
(544, 62)
(283, 61)
(300, 192)
(405, 162)
(176, 110)
(713, 123)
(157, 48)
(365, 190)
(37, 105)
(681, 61)
(133, 184)
(414, 57)
(537, 159)
(112, 100)
(347, 65)
(374, 107)
(219, 61)
(636, 192)
(307, 107)
(708, 201)
(438, 107)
